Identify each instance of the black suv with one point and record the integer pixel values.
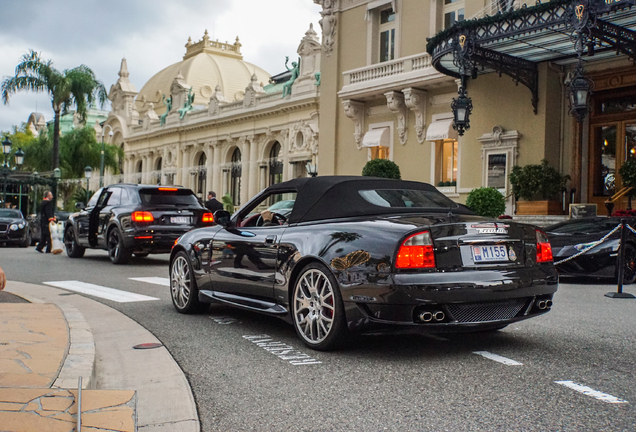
(127, 219)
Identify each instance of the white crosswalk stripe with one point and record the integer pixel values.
(112, 294)
(591, 392)
(153, 280)
(498, 358)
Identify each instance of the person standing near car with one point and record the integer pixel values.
(47, 214)
(212, 203)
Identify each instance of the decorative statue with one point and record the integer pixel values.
(295, 70)
(168, 103)
(317, 76)
(187, 105)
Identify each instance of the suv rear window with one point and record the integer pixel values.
(407, 198)
(168, 196)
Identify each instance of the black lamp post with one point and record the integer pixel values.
(88, 171)
(312, 169)
(462, 108)
(6, 150)
(579, 91)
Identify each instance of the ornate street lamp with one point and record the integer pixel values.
(462, 108)
(579, 91)
(19, 157)
(312, 169)
(6, 150)
(88, 172)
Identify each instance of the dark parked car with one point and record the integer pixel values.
(570, 237)
(129, 218)
(34, 224)
(14, 228)
(360, 254)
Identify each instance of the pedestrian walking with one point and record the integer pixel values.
(3, 279)
(212, 203)
(47, 214)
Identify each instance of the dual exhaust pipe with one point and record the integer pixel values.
(544, 304)
(437, 316)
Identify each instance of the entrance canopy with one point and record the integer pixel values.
(513, 43)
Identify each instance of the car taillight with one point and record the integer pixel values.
(207, 218)
(142, 216)
(544, 249)
(416, 252)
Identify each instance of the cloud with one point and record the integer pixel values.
(150, 34)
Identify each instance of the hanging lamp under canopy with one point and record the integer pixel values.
(515, 42)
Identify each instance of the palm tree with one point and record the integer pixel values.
(72, 87)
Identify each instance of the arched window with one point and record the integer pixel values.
(275, 165)
(139, 171)
(201, 175)
(235, 177)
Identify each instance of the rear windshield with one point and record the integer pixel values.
(168, 196)
(589, 226)
(9, 213)
(407, 198)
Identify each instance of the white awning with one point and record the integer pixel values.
(376, 137)
(379, 3)
(441, 130)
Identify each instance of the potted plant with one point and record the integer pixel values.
(486, 201)
(382, 168)
(627, 171)
(536, 189)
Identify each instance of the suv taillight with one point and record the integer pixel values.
(544, 249)
(416, 252)
(207, 218)
(142, 216)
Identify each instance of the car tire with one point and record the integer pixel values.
(73, 250)
(317, 309)
(141, 254)
(183, 286)
(629, 276)
(116, 251)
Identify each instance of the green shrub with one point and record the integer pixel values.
(486, 201)
(382, 168)
(228, 203)
(533, 182)
(627, 171)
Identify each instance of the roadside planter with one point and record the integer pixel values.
(535, 187)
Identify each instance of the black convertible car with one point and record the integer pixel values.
(14, 228)
(360, 254)
(571, 237)
(127, 219)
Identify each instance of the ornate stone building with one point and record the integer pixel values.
(215, 122)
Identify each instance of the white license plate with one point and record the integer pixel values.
(489, 253)
(180, 220)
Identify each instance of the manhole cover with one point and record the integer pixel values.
(148, 345)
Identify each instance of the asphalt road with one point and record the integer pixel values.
(570, 363)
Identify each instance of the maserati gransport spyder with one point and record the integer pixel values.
(365, 255)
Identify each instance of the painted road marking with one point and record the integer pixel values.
(498, 358)
(153, 280)
(222, 319)
(282, 350)
(591, 392)
(112, 294)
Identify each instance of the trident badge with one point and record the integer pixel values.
(579, 10)
(462, 41)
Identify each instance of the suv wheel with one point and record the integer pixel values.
(116, 251)
(73, 250)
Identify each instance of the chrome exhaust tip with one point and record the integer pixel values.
(541, 304)
(548, 304)
(426, 316)
(439, 316)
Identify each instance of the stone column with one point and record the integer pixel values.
(253, 177)
(179, 174)
(209, 175)
(245, 171)
(217, 179)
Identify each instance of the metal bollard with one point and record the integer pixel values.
(621, 265)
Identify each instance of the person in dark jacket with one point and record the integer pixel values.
(47, 214)
(212, 203)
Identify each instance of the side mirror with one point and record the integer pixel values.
(221, 217)
(80, 206)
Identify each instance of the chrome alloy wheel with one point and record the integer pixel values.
(314, 309)
(114, 245)
(180, 283)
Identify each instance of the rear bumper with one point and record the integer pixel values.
(152, 241)
(469, 301)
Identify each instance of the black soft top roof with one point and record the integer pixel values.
(330, 197)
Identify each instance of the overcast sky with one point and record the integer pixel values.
(151, 34)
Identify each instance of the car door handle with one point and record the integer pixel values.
(270, 239)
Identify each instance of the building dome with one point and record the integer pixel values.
(206, 65)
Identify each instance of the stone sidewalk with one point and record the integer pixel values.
(43, 351)
(46, 345)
